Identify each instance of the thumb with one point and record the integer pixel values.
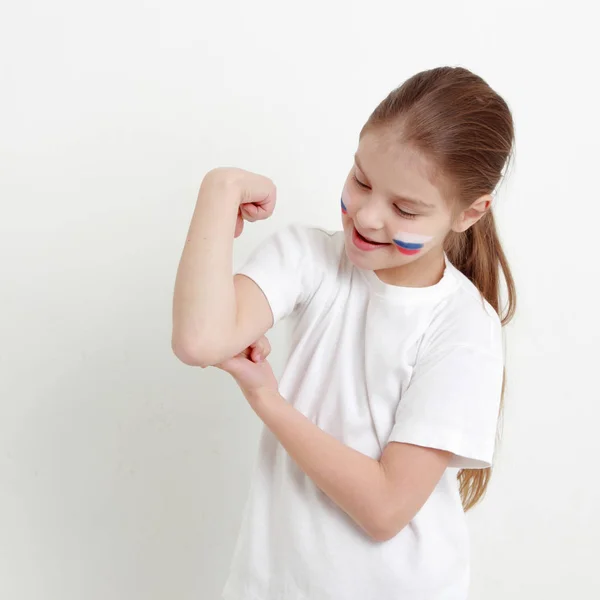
(239, 224)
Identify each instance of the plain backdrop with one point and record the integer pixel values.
(123, 472)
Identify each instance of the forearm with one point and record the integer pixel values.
(204, 303)
(354, 481)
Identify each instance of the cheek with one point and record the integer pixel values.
(345, 201)
(409, 243)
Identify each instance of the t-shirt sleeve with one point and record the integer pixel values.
(452, 404)
(288, 266)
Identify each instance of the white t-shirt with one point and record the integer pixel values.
(370, 363)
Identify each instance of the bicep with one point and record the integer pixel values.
(254, 315)
(412, 473)
(253, 318)
(277, 277)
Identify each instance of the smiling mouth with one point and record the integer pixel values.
(366, 239)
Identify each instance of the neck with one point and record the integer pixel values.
(425, 271)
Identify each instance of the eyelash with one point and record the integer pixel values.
(403, 213)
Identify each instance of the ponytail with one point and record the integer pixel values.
(478, 254)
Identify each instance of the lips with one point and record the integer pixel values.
(364, 237)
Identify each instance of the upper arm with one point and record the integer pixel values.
(411, 474)
(252, 320)
(281, 274)
(254, 315)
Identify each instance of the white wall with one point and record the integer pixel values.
(124, 472)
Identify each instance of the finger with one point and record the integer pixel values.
(258, 210)
(249, 212)
(259, 190)
(264, 346)
(260, 349)
(239, 224)
(255, 353)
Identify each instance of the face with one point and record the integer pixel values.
(392, 214)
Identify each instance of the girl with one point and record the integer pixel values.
(381, 432)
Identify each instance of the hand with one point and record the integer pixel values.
(257, 193)
(251, 370)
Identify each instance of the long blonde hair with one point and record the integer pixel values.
(455, 119)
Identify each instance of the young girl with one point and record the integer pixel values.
(381, 432)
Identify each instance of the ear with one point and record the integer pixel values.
(472, 214)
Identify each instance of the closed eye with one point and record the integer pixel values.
(403, 213)
(360, 183)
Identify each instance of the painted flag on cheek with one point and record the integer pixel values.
(410, 243)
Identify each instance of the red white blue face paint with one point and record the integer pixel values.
(344, 209)
(410, 243)
(344, 201)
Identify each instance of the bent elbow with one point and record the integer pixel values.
(192, 354)
(384, 534)
(383, 529)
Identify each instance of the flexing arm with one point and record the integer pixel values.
(216, 316)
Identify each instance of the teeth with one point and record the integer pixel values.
(363, 237)
(367, 239)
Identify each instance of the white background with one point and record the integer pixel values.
(124, 472)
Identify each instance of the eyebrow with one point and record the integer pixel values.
(414, 201)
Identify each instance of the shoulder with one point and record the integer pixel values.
(322, 239)
(465, 318)
(313, 244)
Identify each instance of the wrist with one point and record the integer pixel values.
(262, 398)
(222, 185)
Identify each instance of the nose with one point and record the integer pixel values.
(368, 216)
